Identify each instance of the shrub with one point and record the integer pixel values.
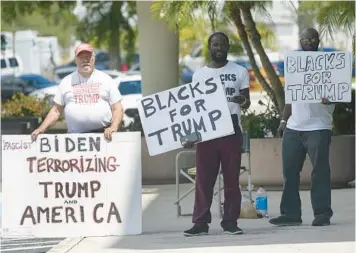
(21, 105)
(344, 117)
(263, 124)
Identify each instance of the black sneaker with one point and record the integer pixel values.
(285, 221)
(321, 220)
(197, 230)
(234, 230)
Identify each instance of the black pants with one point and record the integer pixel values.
(295, 146)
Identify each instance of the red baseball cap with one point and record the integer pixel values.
(83, 47)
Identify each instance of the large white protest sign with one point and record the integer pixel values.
(311, 76)
(196, 107)
(72, 185)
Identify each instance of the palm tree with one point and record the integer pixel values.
(181, 13)
(334, 16)
(235, 15)
(330, 17)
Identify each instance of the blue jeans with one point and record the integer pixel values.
(295, 146)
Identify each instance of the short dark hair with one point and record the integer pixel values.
(218, 33)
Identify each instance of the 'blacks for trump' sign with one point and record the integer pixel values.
(311, 76)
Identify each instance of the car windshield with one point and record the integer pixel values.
(130, 87)
(37, 82)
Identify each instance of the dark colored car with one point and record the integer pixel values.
(36, 81)
(11, 85)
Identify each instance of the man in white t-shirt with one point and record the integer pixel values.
(225, 150)
(307, 130)
(90, 99)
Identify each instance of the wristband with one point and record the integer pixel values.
(244, 101)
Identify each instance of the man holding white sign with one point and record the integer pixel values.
(307, 125)
(89, 98)
(225, 150)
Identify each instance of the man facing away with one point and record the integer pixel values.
(90, 99)
(307, 130)
(225, 150)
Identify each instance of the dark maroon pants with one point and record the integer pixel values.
(227, 151)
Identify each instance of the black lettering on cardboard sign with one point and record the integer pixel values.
(80, 164)
(203, 123)
(35, 215)
(317, 73)
(69, 190)
(335, 60)
(71, 144)
(152, 105)
(313, 92)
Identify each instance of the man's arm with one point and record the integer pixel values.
(244, 96)
(51, 118)
(287, 112)
(246, 93)
(117, 115)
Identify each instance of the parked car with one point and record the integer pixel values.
(36, 81)
(113, 73)
(43, 87)
(186, 75)
(46, 93)
(10, 84)
(129, 85)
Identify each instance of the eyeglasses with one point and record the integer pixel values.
(313, 40)
(84, 57)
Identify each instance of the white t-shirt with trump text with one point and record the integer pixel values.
(87, 101)
(232, 77)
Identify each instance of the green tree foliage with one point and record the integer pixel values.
(330, 17)
(47, 17)
(239, 13)
(105, 25)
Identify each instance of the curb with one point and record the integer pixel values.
(66, 245)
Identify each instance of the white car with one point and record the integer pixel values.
(129, 85)
(50, 92)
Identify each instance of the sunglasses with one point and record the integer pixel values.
(313, 40)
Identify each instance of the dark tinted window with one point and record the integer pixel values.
(130, 87)
(63, 74)
(3, 64)
(102, 56)
(13, 62)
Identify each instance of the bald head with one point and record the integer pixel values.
(309, 39)
(309, 33)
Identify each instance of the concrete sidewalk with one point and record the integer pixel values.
(163, 230)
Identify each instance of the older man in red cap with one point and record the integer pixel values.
(89, 98)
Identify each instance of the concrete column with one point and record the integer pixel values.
(158, 48)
